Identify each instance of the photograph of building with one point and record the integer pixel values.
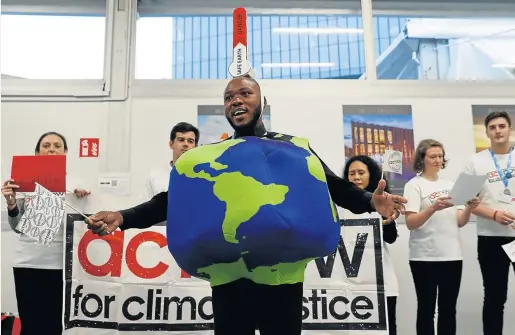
(479, 112)
(370, 130)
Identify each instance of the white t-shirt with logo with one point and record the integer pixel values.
(483, 164)
(30, 253)
(390, 279)
(158, 181)
(438, 239)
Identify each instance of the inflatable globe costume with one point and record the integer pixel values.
(265, 211)
(248, 214)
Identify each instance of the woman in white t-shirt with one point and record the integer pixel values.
(366, 174)
(38, 269)
(434, 246)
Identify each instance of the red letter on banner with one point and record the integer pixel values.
(132, 262)
(113, 266)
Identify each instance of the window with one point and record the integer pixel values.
(52, 46)
(280, 47)
(445, 48)
(154, 49)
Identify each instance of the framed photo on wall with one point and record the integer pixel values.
(371, 130)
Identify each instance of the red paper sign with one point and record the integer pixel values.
(89, 147)
(49, 171)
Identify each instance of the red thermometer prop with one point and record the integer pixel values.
(240, 65)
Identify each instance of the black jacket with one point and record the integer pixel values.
(344, 193)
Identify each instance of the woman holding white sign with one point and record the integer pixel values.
(435, 255)
(38, 268)
(365, 173)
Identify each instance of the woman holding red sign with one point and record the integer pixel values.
(38, 269)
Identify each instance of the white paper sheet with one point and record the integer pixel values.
(466, 187)
(115, 183)
(510, 250)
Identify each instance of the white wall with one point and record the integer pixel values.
(304, 108)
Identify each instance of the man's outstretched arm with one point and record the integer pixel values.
(346, 194)
(147, 214)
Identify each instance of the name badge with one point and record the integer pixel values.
(506, 197)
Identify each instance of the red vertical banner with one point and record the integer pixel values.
(239, 20)
(240, 65)
(89, 147)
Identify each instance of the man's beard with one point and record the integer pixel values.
(248, 128)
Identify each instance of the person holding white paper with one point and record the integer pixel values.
(38, 269)
(495, 217)
(365, 173)
(435, 254)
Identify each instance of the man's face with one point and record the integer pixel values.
(182, 143)
(242, 100)
(498, 131)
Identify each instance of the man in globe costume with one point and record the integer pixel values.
(272, 223)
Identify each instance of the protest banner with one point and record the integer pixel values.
(132, 283)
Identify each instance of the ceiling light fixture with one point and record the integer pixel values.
(318, 30)
(297, 65)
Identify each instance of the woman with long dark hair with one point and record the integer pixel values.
(365, 173)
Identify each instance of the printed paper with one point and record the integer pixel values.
(392, 161)
(43, 215)
(510, 250)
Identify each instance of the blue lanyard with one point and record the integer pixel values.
(504, 177)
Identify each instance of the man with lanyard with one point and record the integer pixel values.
(240, 306)
(183, 137)
(495, 218)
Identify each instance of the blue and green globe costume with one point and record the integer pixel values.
(255, 208)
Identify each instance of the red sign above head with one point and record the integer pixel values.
(48, 170)
(239, 18)
(89, 147)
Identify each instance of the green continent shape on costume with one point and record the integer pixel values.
(255, 193)
(315, 168)
(283, 273)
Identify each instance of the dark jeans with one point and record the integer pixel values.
(242, 306)
(391, 304)
(39, 295)
(436, 281)
(495, 267)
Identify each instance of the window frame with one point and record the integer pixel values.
(64, 89)
(368, 9)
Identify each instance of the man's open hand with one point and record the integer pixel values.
(386, 204)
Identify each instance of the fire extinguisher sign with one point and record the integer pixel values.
(89, 147)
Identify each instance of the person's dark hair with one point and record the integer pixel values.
(421, 152)
(38, 144)
(184, 127)
(495, 115)
(374, 171)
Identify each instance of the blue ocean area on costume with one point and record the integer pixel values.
(250, 207)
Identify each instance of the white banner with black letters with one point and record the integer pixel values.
(129, 282)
